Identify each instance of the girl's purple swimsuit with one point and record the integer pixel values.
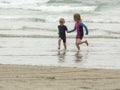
(79, 28)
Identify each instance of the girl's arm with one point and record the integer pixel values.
(72, 30)
(83, 25)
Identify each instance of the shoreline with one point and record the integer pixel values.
(86, 68)
(27, 77)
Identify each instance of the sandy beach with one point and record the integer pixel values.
(15, 77)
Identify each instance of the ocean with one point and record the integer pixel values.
(28, 33)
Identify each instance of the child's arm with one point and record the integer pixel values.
(66, 29)
(72, 30)
(83, 25)
(58, 30)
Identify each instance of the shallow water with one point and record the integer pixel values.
(28, 33)
(101, 53)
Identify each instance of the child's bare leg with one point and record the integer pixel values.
(86, 42)
(65, 46)
(78, 43)
(59, 43)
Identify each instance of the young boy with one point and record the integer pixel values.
(62, 29)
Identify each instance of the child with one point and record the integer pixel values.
(62, 33)
(79, 29)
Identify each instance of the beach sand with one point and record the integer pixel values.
(19, 77)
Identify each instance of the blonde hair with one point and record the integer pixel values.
(61, 20)
(77, 17)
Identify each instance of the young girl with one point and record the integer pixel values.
(79, 29)
(62, 29)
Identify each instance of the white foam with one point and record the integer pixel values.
(24, 1)
(51, 8)
(45, 8)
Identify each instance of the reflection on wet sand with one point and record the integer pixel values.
(61, 56)
(78, 57)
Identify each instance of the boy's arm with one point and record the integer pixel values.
(72, 30)
(66, 29)
(58, 30)
(83, 25)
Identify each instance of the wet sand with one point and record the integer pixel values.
(17, 77)
(43, 52)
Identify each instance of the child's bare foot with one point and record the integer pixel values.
(87, 43)
(58, 48)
